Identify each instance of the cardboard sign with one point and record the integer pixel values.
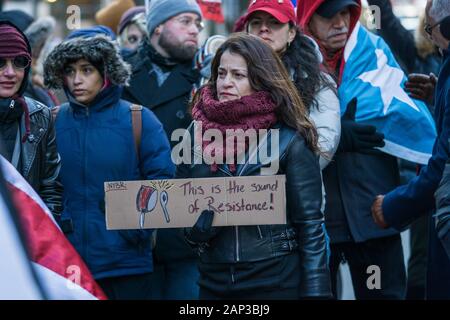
(177, 203)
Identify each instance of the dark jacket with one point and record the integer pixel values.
(169, 102)
(304, 232)
(403, 44)
(406, 203)
(39, 160)
(352, 180)
(442, 217)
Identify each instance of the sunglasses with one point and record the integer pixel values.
(429, 28)
(19, 62)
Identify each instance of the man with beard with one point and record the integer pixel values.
(163, 79)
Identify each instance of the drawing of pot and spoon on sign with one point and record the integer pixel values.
(147, 199)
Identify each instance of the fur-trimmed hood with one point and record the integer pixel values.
(96, 48)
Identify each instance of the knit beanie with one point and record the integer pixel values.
(12, 43)
(160, 11)
(128, 16)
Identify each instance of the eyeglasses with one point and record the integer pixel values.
(19, 62)
(429, 28)
(186, 22)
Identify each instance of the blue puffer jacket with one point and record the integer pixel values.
(96, 144)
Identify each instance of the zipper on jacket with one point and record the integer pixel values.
(11, 105)
(259, 232)
(236, 230)
(233, 280)
(85, 218)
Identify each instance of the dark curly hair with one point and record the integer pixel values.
(266, 72)
(303, 65)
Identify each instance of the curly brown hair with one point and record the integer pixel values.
(266, 72)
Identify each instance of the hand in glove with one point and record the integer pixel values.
(357, 137)
(202, 231)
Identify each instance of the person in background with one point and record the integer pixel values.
(39, 33)
(419, 58)
(275, 23)
(163, 79)
(358, 172)
(26, 125)
(88, 66)
(132, 28)
(404, 204)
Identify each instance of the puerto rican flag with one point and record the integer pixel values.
(57, 271)
(373, 76)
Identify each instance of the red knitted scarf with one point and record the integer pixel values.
(256, 111)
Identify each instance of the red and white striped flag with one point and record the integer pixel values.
(60, 270)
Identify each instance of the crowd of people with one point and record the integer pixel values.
(350, 190)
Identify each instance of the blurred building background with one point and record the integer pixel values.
(407, 10)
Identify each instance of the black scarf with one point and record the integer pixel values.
(147, 51)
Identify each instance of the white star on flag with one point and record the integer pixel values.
(389, 80)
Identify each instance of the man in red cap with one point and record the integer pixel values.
(26, 126)
(358, 171)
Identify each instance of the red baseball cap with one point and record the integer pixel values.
(282, 10)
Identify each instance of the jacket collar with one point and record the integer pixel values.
(180, 82)
(253, 163)
(107, 97)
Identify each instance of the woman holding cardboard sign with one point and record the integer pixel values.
(250, 89)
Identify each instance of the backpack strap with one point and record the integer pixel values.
(136, 123)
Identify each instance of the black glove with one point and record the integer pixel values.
(356, 137)
(203, 231)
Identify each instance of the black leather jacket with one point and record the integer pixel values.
(304, 231)
(39, 158)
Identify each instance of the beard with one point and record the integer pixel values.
(175, 49)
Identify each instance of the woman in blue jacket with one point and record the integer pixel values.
(95, 139)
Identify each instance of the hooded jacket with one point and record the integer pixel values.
(352, 180)
(39, 160)
(96, 145)
(305, 11)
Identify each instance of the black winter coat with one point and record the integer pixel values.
(169, 102)
(304, 233)
(40, 162)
